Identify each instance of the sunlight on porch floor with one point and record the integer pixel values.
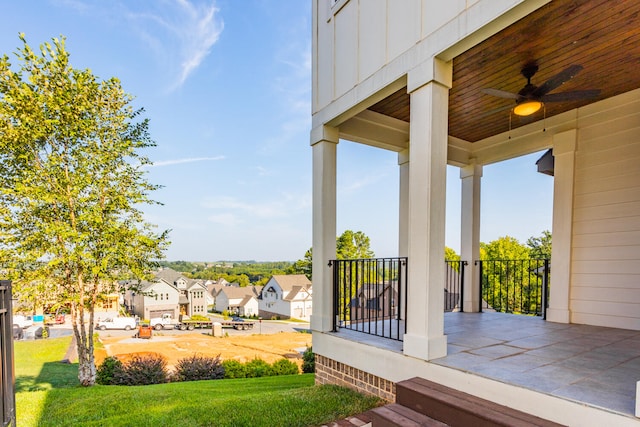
(589, 364)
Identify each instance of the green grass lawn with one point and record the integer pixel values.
(48, 395)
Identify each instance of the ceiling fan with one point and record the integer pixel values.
(531, 97)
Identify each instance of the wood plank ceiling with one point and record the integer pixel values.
(601, 35)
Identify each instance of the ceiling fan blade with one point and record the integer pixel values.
(571, 96)
(557, 80)
(501, 93)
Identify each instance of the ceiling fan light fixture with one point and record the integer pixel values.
(527, 108)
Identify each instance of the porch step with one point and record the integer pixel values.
(393, 415)
(455, 408)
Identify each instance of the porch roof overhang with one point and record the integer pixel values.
(603, 36)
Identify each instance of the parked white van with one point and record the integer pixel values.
(126, 323)
(22, 321)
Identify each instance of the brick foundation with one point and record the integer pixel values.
(328, 371)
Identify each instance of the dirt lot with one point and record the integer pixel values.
(243, 348)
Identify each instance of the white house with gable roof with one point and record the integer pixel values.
(287, 296)
(242, 301)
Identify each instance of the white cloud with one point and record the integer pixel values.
(179, 32)
(187, 160)
(279, 207)
(351, 186)
(76, 5)
(226, 219)
(262, 171)
(293, 88)
(199, 31)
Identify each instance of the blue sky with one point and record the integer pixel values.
(227, 87)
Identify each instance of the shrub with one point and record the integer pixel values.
(308, 361)
(197, 368)
(234, 369)
(108, 370)
(284, 367)
(258, 368)
(199, 318)
(143, 370)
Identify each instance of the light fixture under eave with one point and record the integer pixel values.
(527, 108)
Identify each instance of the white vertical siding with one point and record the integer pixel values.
(373, 38)
(404, 26)
(436, 13)
(323, 92)
(346, 45)
(605, 287)
(357, 39)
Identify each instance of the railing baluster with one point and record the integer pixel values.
(514, 286)
(369, 295)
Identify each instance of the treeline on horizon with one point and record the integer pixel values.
(354, 245)
(244, 273)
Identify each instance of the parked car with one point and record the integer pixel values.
(18, 333)
(54, 319)
(126, 323)
(237, 319)
(22, 321)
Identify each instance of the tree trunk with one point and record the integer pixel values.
(84, 345)
(86, 367)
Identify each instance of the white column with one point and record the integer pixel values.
(425, 337)
(470, 177)
(403, 216)
(564, 152)
(324, 143)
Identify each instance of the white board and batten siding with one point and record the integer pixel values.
(377, 35)
(605, 270)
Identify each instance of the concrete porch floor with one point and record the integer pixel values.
(589, 364)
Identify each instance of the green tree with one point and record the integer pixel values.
(353, 245)
(507, 282)
(71, 183)
(349, 245)
(506, 247)
(303, 266)
(450, 254)
(540, 247)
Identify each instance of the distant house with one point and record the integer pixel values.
(152, 299)
(192, 299)
(108, 305)
(242, 301)
(374, 301)
(196, 295)
(169, 292)
(287, 296)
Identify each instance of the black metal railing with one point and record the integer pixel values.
(514, 286)
(370, 296)
(454, 285)
(7, 378)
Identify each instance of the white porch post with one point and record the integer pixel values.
(324, 143)
(429, 88)
(470, 177)
(403, 216)
(564, 151)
